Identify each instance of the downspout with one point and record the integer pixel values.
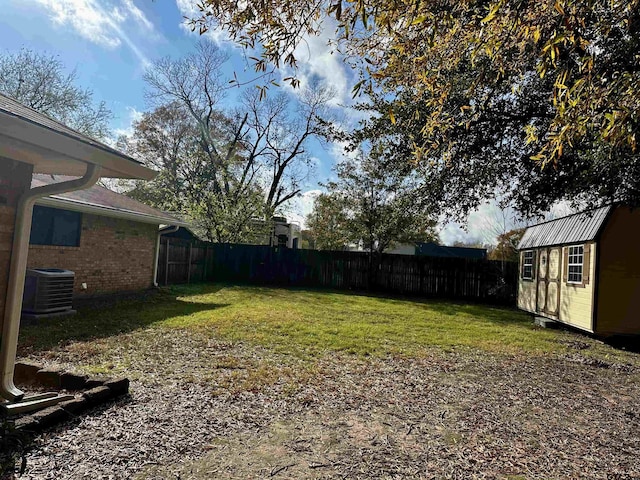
(17, 273)
(172, 229)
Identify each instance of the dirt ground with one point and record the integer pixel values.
(201, 409)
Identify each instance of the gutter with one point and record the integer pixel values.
(173, 228)
(17, 273)
(44, 147)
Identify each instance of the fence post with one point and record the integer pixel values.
(189, 263)
(203, 277)
(208, 263)
(166, 265)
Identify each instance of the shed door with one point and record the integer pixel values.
(548, 281)
(542, 281)
(553, 281)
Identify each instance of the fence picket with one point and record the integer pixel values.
(452, 278)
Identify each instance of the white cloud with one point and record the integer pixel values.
(138, 15)
(133, 115)
(482, 225)
(101, 23)
(488, 221)
(189, 10)
(302, 206)
(317, 60)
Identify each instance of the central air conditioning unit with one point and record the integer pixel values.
(47, 292)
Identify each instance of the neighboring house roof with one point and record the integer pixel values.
(45, 145)
(576, 228)
(102, 201)
(431, 249)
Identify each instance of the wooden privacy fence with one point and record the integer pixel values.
(453, 278)
(182, 261)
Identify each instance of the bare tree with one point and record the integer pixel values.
(238, 167)
(40, 81)
(166, 139)
(503, 228)
(196, 84)
(276, 137)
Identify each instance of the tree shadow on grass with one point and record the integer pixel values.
(109, 316)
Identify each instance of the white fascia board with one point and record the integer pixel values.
(63, 203)
(54, 152)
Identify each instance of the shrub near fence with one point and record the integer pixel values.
(452, 278)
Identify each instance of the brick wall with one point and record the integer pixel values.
(114, 255)
(15, 178)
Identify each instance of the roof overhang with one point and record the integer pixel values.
(54, 152)
(68, 204)
(186, 226)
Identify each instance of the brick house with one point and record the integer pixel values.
(108, 240)
(32, 143)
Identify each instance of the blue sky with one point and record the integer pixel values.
(110, 42)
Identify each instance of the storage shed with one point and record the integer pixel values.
(583, 270)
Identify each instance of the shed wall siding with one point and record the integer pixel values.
(527, 295)
(114, 255)
(576, 302)
(619, 276)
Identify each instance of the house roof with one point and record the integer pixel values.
(102, 201)
(576, 228)
(432, 249)
(29, 136)
(183, 233)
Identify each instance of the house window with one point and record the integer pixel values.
(52, 226)
(576, 260)
(527, 265)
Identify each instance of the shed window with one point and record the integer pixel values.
(52, 226)
(575, 263)
(527, 265)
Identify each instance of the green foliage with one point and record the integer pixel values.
(307, 240)
(40, 81)
(193, 181)
(537, 100)
(506, 249)
(327, 223)
(371, 204)
(167, 140)
(225, 172)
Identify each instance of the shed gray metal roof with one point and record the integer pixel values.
(576, 228)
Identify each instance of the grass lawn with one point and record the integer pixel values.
(308, 323)
(304, 376)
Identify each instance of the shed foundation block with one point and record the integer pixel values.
(545, 322)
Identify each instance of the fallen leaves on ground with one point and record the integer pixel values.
(202, 409)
